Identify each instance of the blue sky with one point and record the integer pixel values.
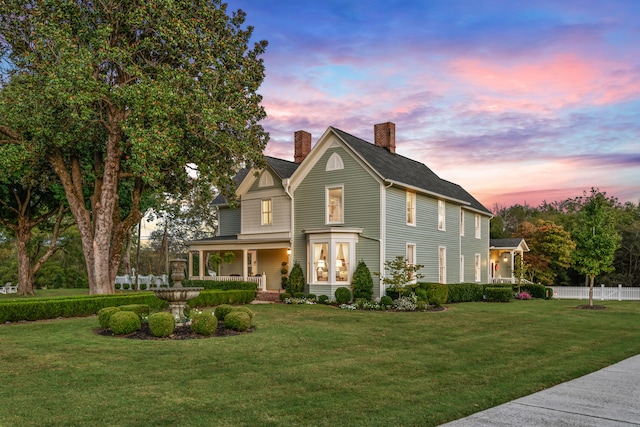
(518, 103)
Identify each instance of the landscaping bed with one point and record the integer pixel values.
(181, 332)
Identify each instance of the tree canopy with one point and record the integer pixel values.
(156, 95)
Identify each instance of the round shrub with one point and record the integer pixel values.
(298, 295)
(312, 297)
(162, 324)
(437, 293)
(104, 314)
(422, 294)
(238, 321)
(245, 310)
(386, 300)
(124, 322)
(343, 295)
(139, 309)
(284, 296)
(323, 299)
(222, 310)
(204, 324)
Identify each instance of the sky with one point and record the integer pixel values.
(517, 102)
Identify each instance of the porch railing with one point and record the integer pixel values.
(260, 281)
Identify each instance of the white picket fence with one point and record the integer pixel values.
(600, 293)
(128, 282)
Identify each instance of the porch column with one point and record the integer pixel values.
(201, 264)
(513, 277)
(245, 264)
(190, 264)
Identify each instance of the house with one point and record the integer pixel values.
(503, 254)
(344, 201)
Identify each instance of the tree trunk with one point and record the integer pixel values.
(25, 278)
(126, 260)
(591, 280)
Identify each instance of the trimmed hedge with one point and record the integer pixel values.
(77, 306)
(464, 292)
(499, 294)
(220, 285)
(214, 297)
(139, 309)
(104, 314)
(535, 290)
(437, 293)
(42, 308)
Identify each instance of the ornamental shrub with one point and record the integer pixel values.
(298, 295)
(343, 295)
(124, 322)
(534, 289)
(245, 310)
(139, 309)
(204, 324)
(311, 297)
(499, 294)
(295, 282)
(238, 321)
(220, 285)
(464, 292)
(162, 324)
(362, 282)
(421, 293)
(437, 293)
(323, 299)
(284, 296)
(524, 295)
(548, 293)
(104, 314)
(386, 300)
(222, 310)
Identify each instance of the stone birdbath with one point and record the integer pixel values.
(178, 295)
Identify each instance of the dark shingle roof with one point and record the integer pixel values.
(403, 170)
(283, 168)
(505, 243)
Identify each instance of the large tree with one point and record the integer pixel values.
(596, 236)
(134, 92)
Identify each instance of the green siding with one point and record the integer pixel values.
(229, 221)
(471, 246)
(361, 207)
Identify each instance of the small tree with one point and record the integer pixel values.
(362, 282)
(596, 237)
(401, 274)
(295, 283)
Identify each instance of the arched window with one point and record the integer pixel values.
(334, 163)
(266, 180)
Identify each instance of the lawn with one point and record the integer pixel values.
(310, 365)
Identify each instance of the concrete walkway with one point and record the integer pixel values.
(608, 397)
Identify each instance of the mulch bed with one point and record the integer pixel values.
(591, 307)
(181, 332)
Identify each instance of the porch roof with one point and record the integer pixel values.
(515, 243)
(232, 242)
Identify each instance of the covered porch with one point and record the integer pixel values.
(232, 259)
(503, 255)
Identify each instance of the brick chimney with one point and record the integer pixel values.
(385, 136)
(302, 145)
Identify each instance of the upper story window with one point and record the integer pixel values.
(477, 268)
(461, 222)
(441, 215)
(411, 208)
(266, 214)
(478, 227)
(266, 180)
(335, 205)
(334, 163)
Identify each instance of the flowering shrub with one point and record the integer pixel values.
(524, 295)
(299, 301)
(348, 306)
(406, 303)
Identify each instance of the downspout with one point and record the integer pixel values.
(286, 184)
(383, 233)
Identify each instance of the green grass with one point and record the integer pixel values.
(50, 293)
(310, 365)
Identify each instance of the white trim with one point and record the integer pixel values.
(477, 224)
(266, 179)
(334, 163)
(262, 212)
(327, 188)
(477, 268)
(415, 257)
(414, 215)
(461, 222)
(442, 215)
(461, 268)
(442, 264)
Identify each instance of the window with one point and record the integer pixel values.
(334, 163)
(320, 262)
(266, 215)
(266, 180)
(441, 215)
(334, 205)
(442, 264)
(461, 268)
(342, 262)
(411, 208)
(461, 222)
(477, 267)
(411, 258)
(478, 231)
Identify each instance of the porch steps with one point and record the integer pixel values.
(268, 295)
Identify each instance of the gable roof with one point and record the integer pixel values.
(512, 243)
(283, 168)
(405, 171)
